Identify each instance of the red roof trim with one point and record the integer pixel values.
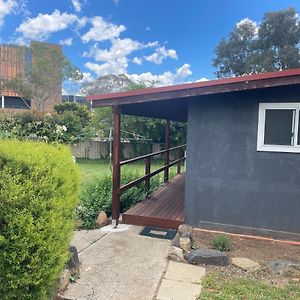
(203, 84)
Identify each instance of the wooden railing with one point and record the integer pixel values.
(148, 173)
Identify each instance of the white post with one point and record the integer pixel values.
(2, 101)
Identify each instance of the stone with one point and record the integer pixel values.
(185, 243)
(245, 264)
(64, 279)
(178, 290)
(102, 219)
(175, 241)
(184, 272)
(73, 262)
(176, 254)
(207, 256)
(285, 268)
(185, 230)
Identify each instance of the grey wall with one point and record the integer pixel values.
(229, 184)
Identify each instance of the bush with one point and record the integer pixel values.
(38, 194)
(96, 196)
(221, 242)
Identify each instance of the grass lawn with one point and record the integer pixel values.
(221, 287)
(89, 169)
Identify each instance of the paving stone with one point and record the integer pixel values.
(245, 264)
(207, 256)
(184, 272)
(178, 290)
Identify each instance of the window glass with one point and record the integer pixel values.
(278, 126)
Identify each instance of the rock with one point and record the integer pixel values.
(285, 268)
(64, 280)
(175, 241)
(185, 230)
(207, 256)
(102, 219)
(292, 271)
(176, 254)
(245, 264)
(73, 262)
(185, 243)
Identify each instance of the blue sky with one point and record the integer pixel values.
(167, 41)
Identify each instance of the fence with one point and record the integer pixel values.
(100, 149)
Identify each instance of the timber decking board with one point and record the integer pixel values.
(164, 208)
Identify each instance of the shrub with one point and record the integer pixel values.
(38, 194)
(96, 196)
(221, 242)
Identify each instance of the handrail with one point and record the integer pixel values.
(133, 183)
(124, 162)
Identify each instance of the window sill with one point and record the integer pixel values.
(278, 148)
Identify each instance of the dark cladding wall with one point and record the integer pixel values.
(228, 181)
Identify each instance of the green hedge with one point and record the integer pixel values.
(96, 196)
(38, 195)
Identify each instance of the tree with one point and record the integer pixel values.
(133, 127)
(271, 46)
(44, 74)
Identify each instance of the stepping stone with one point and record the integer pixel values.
(178, 290)
(184, 272)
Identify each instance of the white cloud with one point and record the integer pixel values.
(41, 27)
(248, 21)
(66, 42)
(202, 79)
(120, 48)
(167, 78)
(102, 30)
(6, 7)
(161, 54)
(77, 5)
(115, 67)
(137, 60)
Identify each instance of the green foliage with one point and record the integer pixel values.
(38, 195)
(221, 242)
(65, 127)
(271, 46)
(97, 194)
(220, 287)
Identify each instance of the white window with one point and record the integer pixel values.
(278, 127)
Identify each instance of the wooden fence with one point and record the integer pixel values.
(100, 149)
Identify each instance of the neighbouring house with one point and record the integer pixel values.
(14, 62)
(243, 154)
(75, 98)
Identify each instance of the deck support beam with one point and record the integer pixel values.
(167, 153)
(116, 166)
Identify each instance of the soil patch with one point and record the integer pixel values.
(263, 252)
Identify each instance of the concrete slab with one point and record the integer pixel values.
(184, 272)
(84, 238)
(120, 265)
(178, 290)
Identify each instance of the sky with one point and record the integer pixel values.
(162, 41)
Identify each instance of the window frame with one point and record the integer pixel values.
(261, 146)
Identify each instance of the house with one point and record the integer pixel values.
(243, 152)
(14, 62)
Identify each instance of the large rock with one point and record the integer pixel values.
(285, 268)
(64, 280)
(185, 243)
(207, 256)
(102, 219)
(185, 230)
(175, 241)
(245, 264)
(176, 254)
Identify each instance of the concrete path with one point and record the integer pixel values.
(181, 282)
(118, 264)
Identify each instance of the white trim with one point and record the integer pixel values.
(2, 101)
(294, 147)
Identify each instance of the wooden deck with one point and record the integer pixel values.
(164, 208)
